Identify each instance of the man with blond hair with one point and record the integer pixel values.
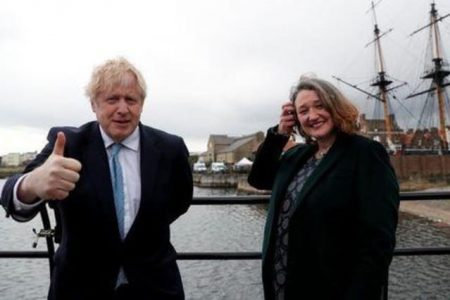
(117, 186)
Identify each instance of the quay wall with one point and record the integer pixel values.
(225, 180)
(422, 167)
(409, 169)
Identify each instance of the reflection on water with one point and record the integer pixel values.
(235, 228)
(220, 228)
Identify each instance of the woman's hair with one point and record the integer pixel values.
(111, 73)
(343, 113)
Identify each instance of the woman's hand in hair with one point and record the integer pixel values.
(287, 119)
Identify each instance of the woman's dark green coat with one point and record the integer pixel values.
(342, 233)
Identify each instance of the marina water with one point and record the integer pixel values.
(221, 228)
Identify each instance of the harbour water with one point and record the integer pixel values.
(233, 228)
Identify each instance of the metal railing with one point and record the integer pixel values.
(47, 232)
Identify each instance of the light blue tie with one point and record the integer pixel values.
(117, 181)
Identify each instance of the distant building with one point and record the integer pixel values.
(27, 157)
(11, 159)
(229, 149)
(423, 139)
(412, 140)
(375, 129)
(17, 159)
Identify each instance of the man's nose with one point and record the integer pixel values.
(122, 106)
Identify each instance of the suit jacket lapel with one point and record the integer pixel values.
(97, 171)
(150, 158)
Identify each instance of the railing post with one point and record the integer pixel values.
(49, 238)
(385, 291)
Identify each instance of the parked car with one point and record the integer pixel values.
(218, 167)
(199, 167)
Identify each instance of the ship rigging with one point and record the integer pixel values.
(387, 131)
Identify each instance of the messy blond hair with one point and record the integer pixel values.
(112, 73)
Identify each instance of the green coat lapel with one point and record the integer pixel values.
(287, 171)
(289, 167)
(325, 165)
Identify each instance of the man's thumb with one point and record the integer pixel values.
(60, 142)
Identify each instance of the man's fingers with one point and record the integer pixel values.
(59, 189)
(66, 185)
(59, 194)
(58, 148)
(69, 175)
(71, 164)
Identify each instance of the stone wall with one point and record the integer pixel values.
(226, 180)
(425, 167)
(407, 167)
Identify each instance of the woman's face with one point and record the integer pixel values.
(315, 120)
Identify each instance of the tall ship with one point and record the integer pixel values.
(431, 131)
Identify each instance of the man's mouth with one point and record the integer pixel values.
(121, 122)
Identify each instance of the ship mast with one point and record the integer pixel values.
(381, 81)
(437, 74)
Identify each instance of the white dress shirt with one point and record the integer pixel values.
(129, 158)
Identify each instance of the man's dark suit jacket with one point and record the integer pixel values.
(342, 232)
(91, 251)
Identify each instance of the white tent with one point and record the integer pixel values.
(243, 164)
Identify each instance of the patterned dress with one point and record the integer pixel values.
(282, 236)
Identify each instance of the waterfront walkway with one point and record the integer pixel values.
(437, 211)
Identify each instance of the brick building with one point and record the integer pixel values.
(229, 149)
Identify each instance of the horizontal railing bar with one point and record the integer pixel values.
(422, 251)
(183, 255)
(219, 200)
(233, 255)
(219, 255)
(257, 255)
(24, 254)
(263, 199)
(413, 196)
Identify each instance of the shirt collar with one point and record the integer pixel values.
(131, 142)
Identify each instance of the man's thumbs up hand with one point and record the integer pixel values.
(54, 179)
(60, 143)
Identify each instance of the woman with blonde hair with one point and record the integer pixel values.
(330, 229)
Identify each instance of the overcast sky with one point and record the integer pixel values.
(212, 67)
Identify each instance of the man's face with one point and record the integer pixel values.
(119, 108)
